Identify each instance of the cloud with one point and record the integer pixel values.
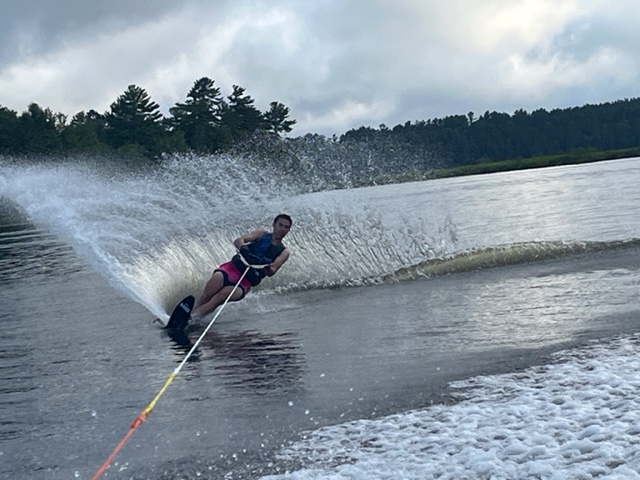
(335, 64)
(40, 26)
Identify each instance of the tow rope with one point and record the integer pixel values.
(143, 415)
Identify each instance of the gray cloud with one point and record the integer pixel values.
(336, 64)
(38, 26)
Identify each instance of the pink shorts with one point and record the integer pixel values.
(231, 276)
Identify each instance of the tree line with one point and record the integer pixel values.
(205, 122)
(466, 139)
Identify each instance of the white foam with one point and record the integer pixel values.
(575, 419)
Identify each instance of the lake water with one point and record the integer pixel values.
(473, 327)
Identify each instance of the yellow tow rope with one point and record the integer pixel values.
(143, 415)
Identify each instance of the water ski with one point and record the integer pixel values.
(180, 338)
(180, 316)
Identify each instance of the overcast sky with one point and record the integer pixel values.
(337, 64)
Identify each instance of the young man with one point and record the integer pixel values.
(261, 247)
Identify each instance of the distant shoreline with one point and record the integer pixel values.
(570, 158)
(574, 157)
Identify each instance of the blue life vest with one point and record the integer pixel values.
(259, 252)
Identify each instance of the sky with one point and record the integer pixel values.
(336, 64)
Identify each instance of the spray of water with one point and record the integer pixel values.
(157, 235)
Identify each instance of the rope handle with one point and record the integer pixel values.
(249, 265)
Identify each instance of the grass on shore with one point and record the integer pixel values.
(571, 158)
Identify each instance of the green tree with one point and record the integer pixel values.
(135, 122)
(38, 130)
(8, 130)
(199, 116)
(276, 118)
(240, 116)
(85, 133)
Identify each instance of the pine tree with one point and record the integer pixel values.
(85, 133)
(276, 118)
(199, 116)
(39, 130)
(240, 116)
(135, 120)
(8, 130)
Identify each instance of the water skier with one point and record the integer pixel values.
(261, 247)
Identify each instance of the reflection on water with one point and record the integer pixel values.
(28, 252)
(250, 361)
(17, 387)
(79, 361)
